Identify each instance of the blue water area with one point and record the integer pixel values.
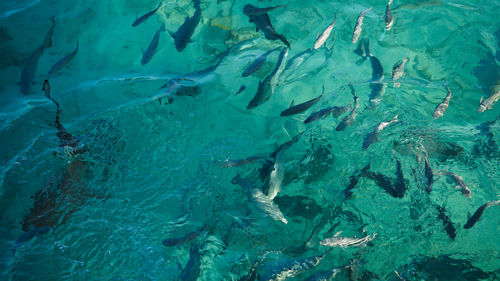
(249, 140)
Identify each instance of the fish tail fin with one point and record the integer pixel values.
(283, 39)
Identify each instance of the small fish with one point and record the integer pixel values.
(471, 221)
(487, 103)
(266, 89)
(257, 64)
(151, 50)
(372, 137)
(299, 108)
(460, 183)
(263, 22)
(285, 145)
(188, 237)
(252, 10)
(242, 88)
(359, 22)
(395, 187)
(145, 16)
(240, 162)
(252, 274)
(30, 67)
(344, 242)
(321, 39)
(336, 111)
(389, 19)
(376, 85)
(349, 119)
(429, 175)
(441, 108)
(260, 200)
(183, 35)
(296, 62)
(64, 61)
(278, 270)
(398, 70)
(448, 225)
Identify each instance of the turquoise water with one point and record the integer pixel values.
(159, 164)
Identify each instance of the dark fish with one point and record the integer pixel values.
(188, 237)
(286, 268)
(336, 111)
(448, 225)
(266, 89)
(240, 162)
(252, 274)
(242, 88)
(353, 181)
(429, 175)
(263, 22)
(29, 70)
(145, 16)
(478, 213)
(252, 10)
(285, 145)
(183, 35)
(65, 138)
(395, 187)
(64, 61)
(193, 79)
(299, 108)
(389, 19)
(27, 236)
(192, 270)
(257, 64)
(349, 119)
(151, 50)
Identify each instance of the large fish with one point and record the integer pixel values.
(263, 22)
(286, 268)
(183, 35)
(359, 23)
(299, 108)
(349, 119)
(372, 137)
(389, 19)
(188, 237)
(266, 89)
(344, 242)
(488, 103)
(441, 108)
(151, 50)
(252, 10)
(192, 270)
(257, 64)
(321, 39)
(29, 70)
(146, 16)
(471, 221)
(64, 61)
(447, 223)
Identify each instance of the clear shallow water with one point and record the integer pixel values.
(152, 171)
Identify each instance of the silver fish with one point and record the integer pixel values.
(349, 119)
(372, 137)
(64, 61)
(459, 181)
(321, 39)
(398, 70)
(344, 242)
(359, 22)
(487, 103)
(389, 19)
(441, 108)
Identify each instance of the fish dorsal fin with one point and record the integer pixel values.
(292, 103)
(337, 234)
